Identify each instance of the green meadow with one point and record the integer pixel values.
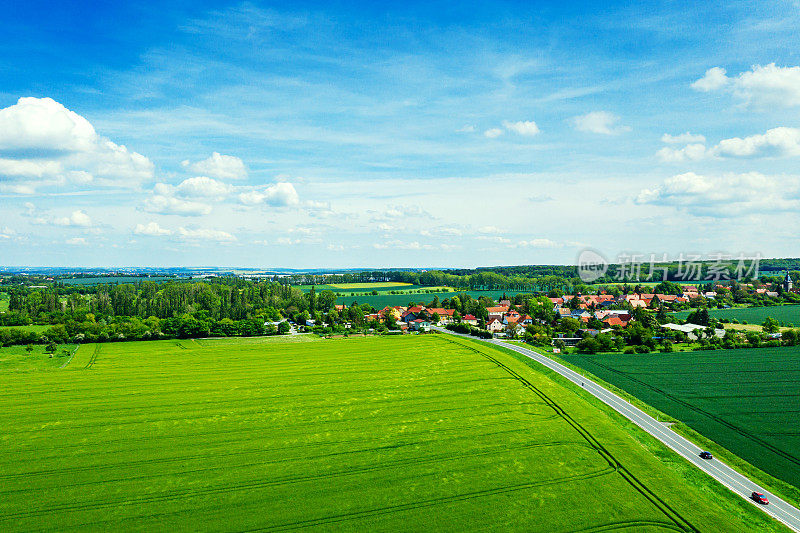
(785, 314)
(424, 432)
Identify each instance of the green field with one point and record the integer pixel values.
(17, 358)
(382, 300)
(4, 298)
(36, 328)
(369, 434)
(785, 314)
(746, 400)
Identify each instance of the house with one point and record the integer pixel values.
(495, 326)
(470, 319)
(497, 310)
(445, 315)
(419, 325)
(340, 307)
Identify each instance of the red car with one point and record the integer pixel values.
(759, 498)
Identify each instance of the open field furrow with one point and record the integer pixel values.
(378, 434)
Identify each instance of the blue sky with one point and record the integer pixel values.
(418, 134)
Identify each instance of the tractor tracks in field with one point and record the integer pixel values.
(733, 427)
(626, 474)
(182, 494)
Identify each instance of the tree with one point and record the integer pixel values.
(770, 325)
(284, 328)
(29, 348)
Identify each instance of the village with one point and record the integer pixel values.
(564, 321)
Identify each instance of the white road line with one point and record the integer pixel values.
(730, 478)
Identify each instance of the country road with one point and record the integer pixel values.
(733, 480)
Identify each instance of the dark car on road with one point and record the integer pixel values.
(706, 455)
(759, 498)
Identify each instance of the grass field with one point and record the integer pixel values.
(4, 298)
(36, 328)
(16, 358)
(378, 434)
(382, 300)
(746, 400)
(371, 286)
(785, 314)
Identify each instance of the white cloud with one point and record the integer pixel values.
(205, 235)
(774, 143)
(540, 243)
(43, 141)
(335, 248)
(401, 245)
(279, 195)
(467, 128)
(493, 133)
(601, 122)
(224, 167)
(683, 138)
(713, 79)
(151, 228)
(169, 205)
(730, 195)
(203, 187)
(522, 127)
(77, 219)
(494, 238)
(489, 229)
(691, 152)
(77, 241)
(777, 142)
(761, 86)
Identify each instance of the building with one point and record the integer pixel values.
(788, 284)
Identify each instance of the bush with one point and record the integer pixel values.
(629, 350)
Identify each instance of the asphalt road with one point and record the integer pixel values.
(741, 485)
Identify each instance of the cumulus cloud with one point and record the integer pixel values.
(212, 235)
(77, 219)
(691, 152)
(77, 241)
(169, 205)
(47, 144)
(683, 138)
(730, 195)
(278, 195)
(762, 85)
(493, 133)
(494, 238)
(467, 128)
(713, 80)
(522, 127)
(152, 229)
(601, 122)
(777, 142)
(224, 167)
(203, 187)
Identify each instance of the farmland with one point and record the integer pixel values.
(784, 314)
(747, 400)
(387, 434)
(382, 300)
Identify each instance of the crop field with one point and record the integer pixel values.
(382, 300)
(35, 328)
(785, 314)
(746, 400)
(369, 434)
(361, 288)
(17, 358)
